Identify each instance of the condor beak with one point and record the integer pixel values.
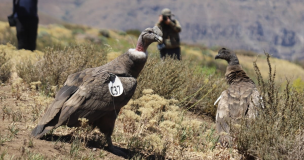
(217, 57)
(158, 34)
(159, 39)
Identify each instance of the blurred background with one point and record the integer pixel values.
(274, 26)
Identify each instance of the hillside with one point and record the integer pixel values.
(145, 136)
(170, 116)
(118, 42)
(274, 26)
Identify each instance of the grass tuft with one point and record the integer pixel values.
(5, 67)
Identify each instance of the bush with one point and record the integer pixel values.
(157, 127)
(104, 33)
(178, 79)
(277, 133)
(5, 67)
(54, 67)
(75, 28)
(45, 40)
(8, 35)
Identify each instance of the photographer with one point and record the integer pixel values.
(170, 28)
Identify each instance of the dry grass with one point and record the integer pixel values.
(7, 34)
(181, 80)
(5, 67)
(284, 69)
(157, 128)
(54, 66)
(19, 116)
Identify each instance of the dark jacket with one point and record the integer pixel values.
(170, 33)
(25, 8)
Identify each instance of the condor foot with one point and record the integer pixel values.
(117, 151)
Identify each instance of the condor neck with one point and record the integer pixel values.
(140, 48)
(141, 44)
(233, 60)
(235, 74)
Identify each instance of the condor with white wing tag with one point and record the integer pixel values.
(115, 86)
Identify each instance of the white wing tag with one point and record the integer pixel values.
(115, 87)
(217, 100)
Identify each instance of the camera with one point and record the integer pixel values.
(165, 18)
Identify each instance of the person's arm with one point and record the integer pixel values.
(160, 19)
(159, 26)
(175, 26)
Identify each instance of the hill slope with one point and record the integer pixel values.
(150, 126)
(274, 26)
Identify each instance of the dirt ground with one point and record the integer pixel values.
(20, 107)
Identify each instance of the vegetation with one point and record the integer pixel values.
(134, 32)
(156, 126)
(175, 79)
(53, 68)
(277, 133)
(170, 116)
(5, 67)
(7, 35)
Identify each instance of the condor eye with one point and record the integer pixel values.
(150, 31)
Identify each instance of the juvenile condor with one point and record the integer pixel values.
(239, 100)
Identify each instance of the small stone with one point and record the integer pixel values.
(94, 149)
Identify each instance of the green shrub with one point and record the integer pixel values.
(104, 33)
(54, 67)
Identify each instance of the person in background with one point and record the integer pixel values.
(171, 41)
(26, 23)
